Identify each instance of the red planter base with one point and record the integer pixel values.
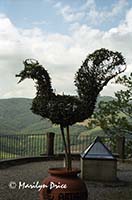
(63, 185)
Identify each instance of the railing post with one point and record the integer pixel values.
(50, 143)
(120, 146)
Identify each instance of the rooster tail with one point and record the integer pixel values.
(96, 71)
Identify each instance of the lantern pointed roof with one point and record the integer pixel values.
(97, 150)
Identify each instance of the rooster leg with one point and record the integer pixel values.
(69, 148)
(65, 145)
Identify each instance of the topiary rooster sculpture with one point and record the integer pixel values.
(96, 71)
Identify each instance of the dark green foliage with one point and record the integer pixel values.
(95, 72)
(44, 93)
(17, 118)
(124, 97)
(35, 71)
(115, 116)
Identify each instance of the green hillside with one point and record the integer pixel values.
(16, 117)
(104, 98)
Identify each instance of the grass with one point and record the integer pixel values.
(97, 131)
(7, 155)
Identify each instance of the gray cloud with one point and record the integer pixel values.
(61, 54)
(90, 13)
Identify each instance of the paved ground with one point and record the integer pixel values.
(32, 172)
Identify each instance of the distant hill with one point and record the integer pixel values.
(17, 118)
(104, 98)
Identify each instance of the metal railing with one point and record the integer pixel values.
(17, 146)
(78, 144)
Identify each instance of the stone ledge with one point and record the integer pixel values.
(19, 161)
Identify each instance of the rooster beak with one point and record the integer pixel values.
(22, 76)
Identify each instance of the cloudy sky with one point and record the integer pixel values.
(60, 34)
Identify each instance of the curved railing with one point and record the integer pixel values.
(17, 146)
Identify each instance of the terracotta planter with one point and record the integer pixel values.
(63, 185)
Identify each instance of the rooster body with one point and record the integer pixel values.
(96, 71)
